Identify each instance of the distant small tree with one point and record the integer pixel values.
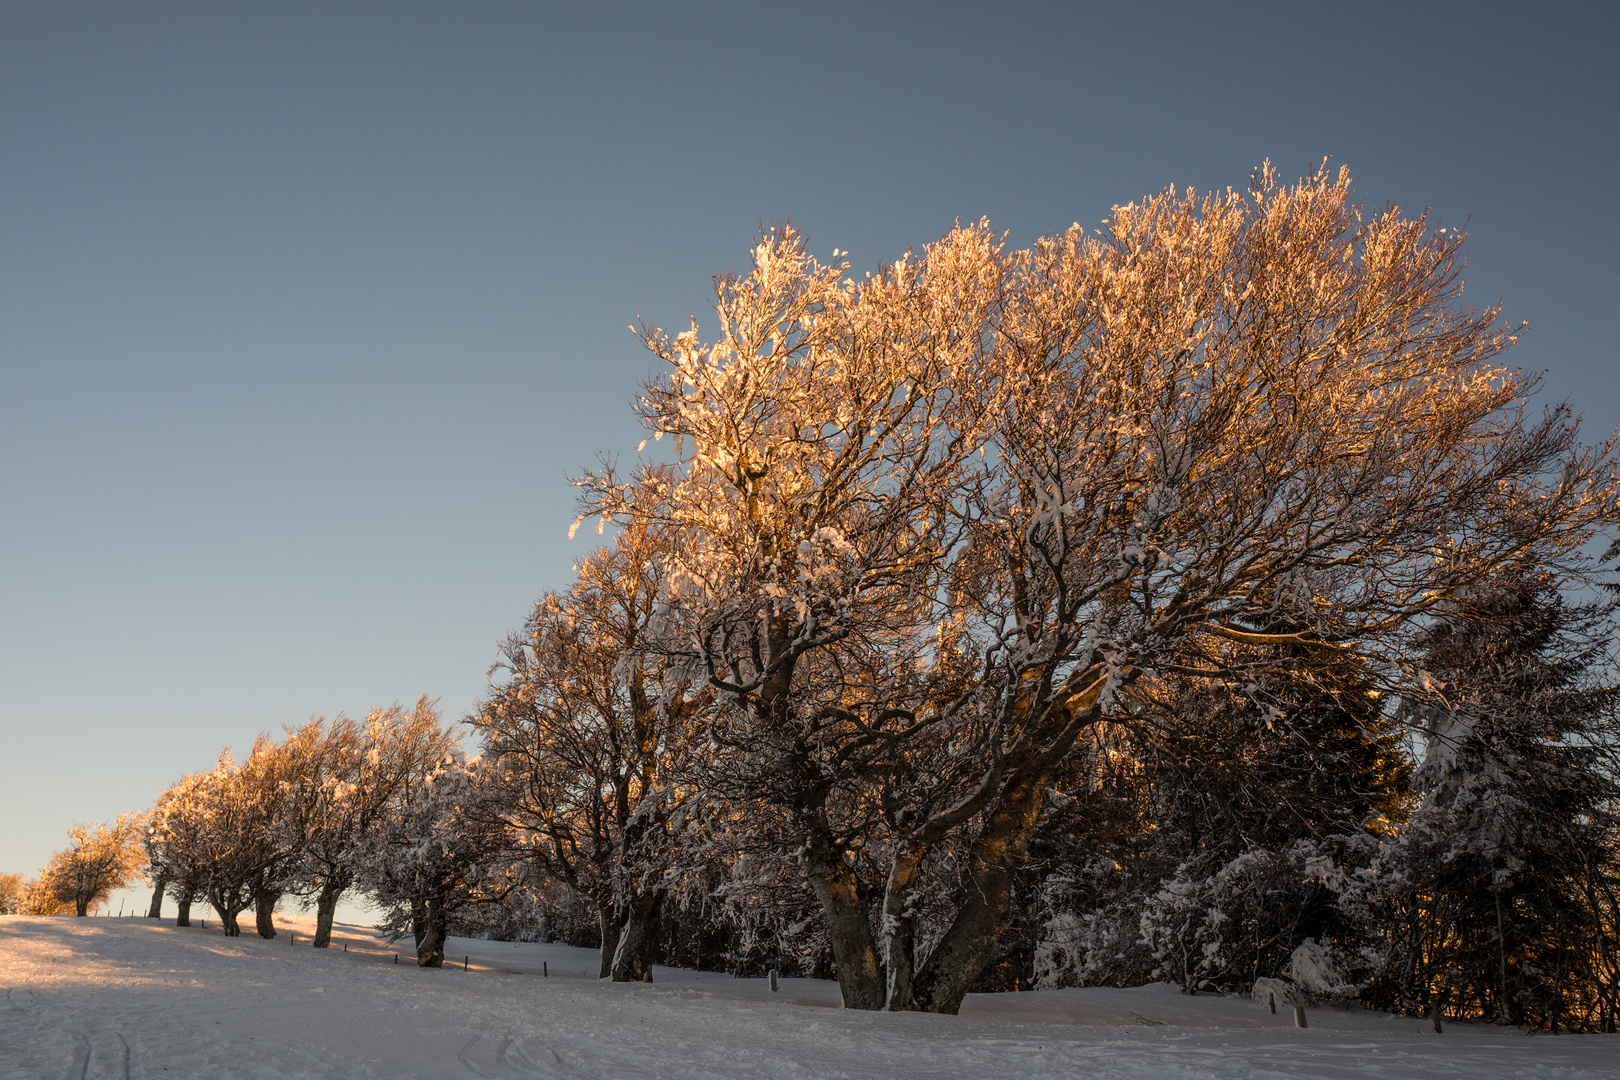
(37, 900)
(98, 861)
(157, 869)
(217, 826)
(12, 892)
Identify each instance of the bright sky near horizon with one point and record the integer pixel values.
(307, 310)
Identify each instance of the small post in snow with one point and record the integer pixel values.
(544, 974)
(1299, 1016)
(345, 946)
(396, 958)
(773, 980)
(1273, 1003)
(465, 960)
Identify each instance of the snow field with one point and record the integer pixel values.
(136, 999)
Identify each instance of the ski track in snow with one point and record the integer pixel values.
(133, 999)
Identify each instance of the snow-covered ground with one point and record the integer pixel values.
(138, 999)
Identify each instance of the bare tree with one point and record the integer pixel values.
(587, 734)
(174, 840)
(1253, 418)
(216, 830)
(821, 438)
(98, 860)
(442, 848)
(343, 779)
(1003, 489)
(13, 891)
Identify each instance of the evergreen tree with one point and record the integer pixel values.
(1492, 893)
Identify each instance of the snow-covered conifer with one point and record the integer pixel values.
(1492, 898)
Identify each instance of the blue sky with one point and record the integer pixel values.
(308, 310)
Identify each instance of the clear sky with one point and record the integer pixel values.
(307, 311)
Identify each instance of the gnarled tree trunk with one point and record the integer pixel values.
(638, 940)
(183, 901)
(230, 900)
(822, 861)
(848, 927)
(900, 929)
(430, 947)
(610, 917)
(418, 921)
(156, 910)
(264, 910)
(325, 909)
(970, 944)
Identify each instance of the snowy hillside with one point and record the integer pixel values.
(141, 1000)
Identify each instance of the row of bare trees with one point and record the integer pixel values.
(98, 861)
(337, 805)
(942, 559)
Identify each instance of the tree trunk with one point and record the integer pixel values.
(970, 943)
(611, 919)
(418, 921)
(1501, 961)
(264, 905)
(156, 910)
(325, 908)
(184, 902)
(900, 930)
(430, 949)
(81, 906)
(831, 878)
(638, 941)
(228, 901)
(848, 927)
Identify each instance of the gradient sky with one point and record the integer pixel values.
(307, 311)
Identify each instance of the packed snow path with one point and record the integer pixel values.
(134, 999)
